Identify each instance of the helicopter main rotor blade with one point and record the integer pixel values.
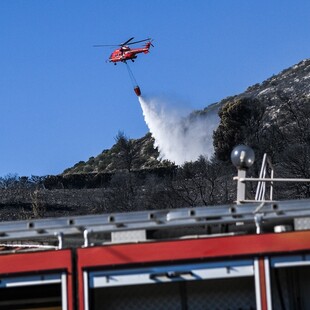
(102, 45)
(127, 42)
(123, 44)
(148, 39)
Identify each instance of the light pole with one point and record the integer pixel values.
(242, 157)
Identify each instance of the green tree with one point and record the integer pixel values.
(127, 153)
(241, 123)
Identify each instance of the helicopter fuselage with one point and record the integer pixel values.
(125, 53)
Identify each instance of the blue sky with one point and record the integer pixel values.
(61, 103)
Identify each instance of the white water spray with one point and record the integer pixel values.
(179, 138)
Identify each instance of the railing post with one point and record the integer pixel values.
(241, 186)
(242, 158)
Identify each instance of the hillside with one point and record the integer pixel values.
(132, 154)
(292, 84)
(272, 117)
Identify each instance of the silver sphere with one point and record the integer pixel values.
(242, 157)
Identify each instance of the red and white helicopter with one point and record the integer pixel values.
(124, 52)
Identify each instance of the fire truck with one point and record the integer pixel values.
(247, 255)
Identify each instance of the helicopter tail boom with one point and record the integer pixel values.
(147, 46)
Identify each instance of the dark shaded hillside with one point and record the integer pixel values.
(198, 183)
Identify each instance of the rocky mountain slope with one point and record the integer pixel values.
(271, 95)
(294, 82)
(272, 117)
(139, 154)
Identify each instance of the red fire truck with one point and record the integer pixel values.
(196, 258)
(248, 255)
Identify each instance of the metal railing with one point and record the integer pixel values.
(266, 176)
